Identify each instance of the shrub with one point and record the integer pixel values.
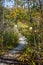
(29, 36)
(10, 39)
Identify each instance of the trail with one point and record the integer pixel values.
(15, 52)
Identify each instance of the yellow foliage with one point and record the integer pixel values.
(21, 25)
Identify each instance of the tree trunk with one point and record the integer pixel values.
(1, 21)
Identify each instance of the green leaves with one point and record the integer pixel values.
(10, 39)
(29, 50)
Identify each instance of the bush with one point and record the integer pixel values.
(28, 35)
(10, 39)
(30, 38)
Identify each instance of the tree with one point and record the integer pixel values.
(41, 22)
(1, 21)
(18, 2)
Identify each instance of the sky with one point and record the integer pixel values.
(10, 4)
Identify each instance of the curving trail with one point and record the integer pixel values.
(15, 52)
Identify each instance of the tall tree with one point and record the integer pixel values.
(41, 22)
(1, 21)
